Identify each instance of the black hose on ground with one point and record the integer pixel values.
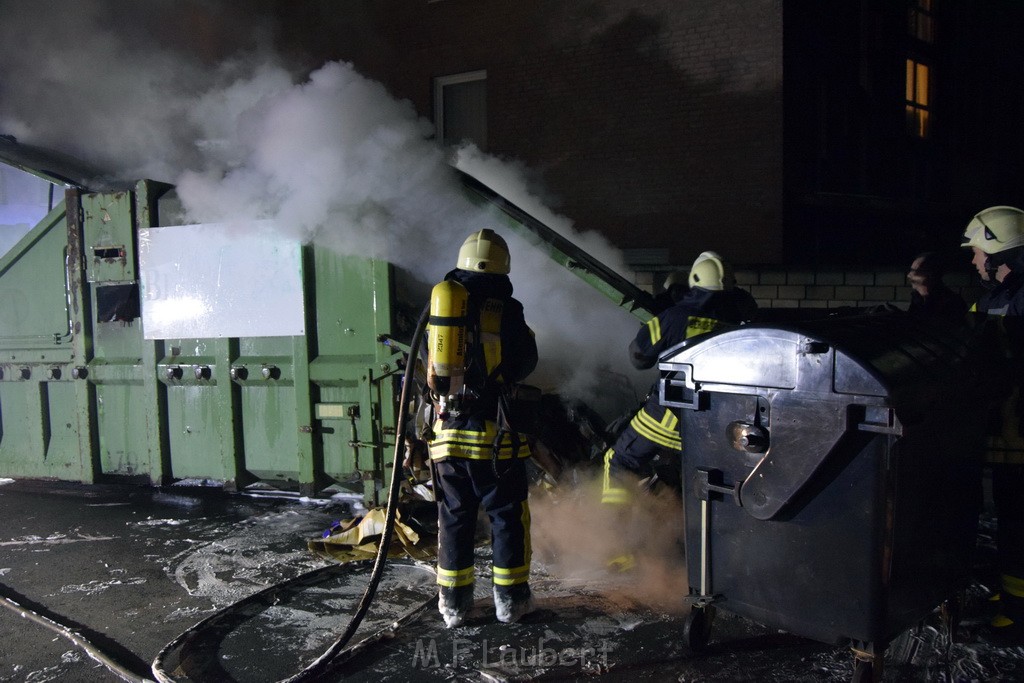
(321, 663)
(94, 652)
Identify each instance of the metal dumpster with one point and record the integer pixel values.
(830, 474)
(136, 348)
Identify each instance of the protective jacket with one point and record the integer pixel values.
(698, 311)
(1005, 302)
(941, 304)
(655, 427)
(472, 466)
(1005, 452)
(501, 350)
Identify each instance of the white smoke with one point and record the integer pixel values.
(330, 155)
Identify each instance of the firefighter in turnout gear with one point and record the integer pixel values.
(711, 301)
(479, 345)
(996, 236)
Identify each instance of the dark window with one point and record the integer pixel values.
(460, 108)
(921, 21)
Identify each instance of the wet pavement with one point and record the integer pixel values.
(131, 568)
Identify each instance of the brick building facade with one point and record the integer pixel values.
(798, 134)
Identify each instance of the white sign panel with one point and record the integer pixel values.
(220, 280)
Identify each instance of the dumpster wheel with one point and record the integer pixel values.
(697, 629)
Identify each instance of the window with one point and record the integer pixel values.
(24, 201)
(917, 98)
(460, 108)
(921, 21)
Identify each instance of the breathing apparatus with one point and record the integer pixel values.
(446, 346)
(484, 251)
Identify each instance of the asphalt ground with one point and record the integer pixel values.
(131, 568)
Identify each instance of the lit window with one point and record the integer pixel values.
(921, 21)
(917, 98)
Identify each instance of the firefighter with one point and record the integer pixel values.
(673, 289)
(711, 301)
(929, 296)
(477, 459)
(996, 237)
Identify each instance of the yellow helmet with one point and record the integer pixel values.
(995, 229)
(709, 271)
(484, 252)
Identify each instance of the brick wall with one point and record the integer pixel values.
(657, 123)
(776, 288)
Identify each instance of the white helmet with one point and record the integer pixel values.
(995, 229)
(484, 252)
(709, 271)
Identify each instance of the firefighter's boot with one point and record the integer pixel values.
(454, 604)
(512, 603)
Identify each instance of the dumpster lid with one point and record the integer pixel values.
(883, 355)
(55, 167)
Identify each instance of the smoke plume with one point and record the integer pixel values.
(577, 540)
(191, 93)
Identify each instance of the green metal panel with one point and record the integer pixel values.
(83, 397)
(34, 314)
(122, 409)
(42, 424)
(269, 408)
(353, 370)
(108, 236)
(201, 410)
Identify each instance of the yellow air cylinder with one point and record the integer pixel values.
(446, 338)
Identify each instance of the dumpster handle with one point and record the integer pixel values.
(705, 589)
(706, 483)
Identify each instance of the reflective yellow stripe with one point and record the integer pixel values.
(1013, 585)
(455, 577)
(696, 325)
(611, 493)
(511, 577)
(1001, 621)
(473, 444)
(622, 563)
(654, 327)
(647, 427)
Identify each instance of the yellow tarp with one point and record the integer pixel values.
(358, 539)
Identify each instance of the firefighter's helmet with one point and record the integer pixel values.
(709, 271)
(995, 229)
(484, 252)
